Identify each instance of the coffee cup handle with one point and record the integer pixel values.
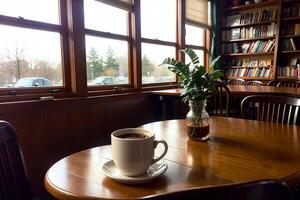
(156, 142)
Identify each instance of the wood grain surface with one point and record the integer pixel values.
(238, 150)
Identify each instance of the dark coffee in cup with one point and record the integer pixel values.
(133, 136)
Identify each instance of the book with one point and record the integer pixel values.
(293, 44)
(263, 62)
(253, 63)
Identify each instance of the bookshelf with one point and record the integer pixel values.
(288, 67)
(249, 39)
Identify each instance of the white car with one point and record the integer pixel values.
(103, 80)
(33, 82)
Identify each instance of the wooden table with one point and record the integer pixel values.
(167, 97)
(238, 150)
(243, 90)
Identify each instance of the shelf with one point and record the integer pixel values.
(241, 67)
(250, 39)
(252, 6)
(249, 54)
(287, 78)
(248, 25)
(290, 18)
(287, 52)
(249, 78)
(290, 36)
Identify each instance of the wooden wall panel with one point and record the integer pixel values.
(48, 131)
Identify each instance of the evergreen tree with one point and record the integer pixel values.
(112, 61)
(94, 64)
(147, 66)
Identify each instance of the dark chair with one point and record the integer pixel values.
(272, 83)
(238, 81)
(260, 190)
(278, 109)
(293, 181)
(219, 101)
(258, 83)
(13, 180)
(292, 84)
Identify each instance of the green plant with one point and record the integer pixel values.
(193, 77)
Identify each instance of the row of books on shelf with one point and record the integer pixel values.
(251, 17)
(250, 72)
(290, 29)
(288, 44)
(289, 71)
(292, 11)
(250, 32)
(258, 46)
(248, 63)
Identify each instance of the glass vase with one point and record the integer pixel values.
(197, 121)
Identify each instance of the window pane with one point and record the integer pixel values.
(152, 57)
(107, 61)
(158, 19)
(102, 17)
(38, 10)
(194, 35)
(200, 54)
(29, 53)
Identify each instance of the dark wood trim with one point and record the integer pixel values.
(26, 23)
(65, 45)
(107, 35)
(119, 4)
(181, 29)
(200, 25)
(196, 47)
(136, 45)
(158, 42)
(77, 46)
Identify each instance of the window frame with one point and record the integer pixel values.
(92, 89)
(163, 43)
(73, 50)
(62, 29)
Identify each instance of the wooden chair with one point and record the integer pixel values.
(258, 83)
(13, 178)
(272, 83)
(219, 101)
(260, 190)
(278, 109)
(292, 84)
(238, 81)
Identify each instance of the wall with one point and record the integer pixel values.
(49, 131)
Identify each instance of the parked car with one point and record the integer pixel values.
(103, 80)
(33, 82)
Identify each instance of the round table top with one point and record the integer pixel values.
(238, 150)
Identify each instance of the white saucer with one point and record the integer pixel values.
(154, 171)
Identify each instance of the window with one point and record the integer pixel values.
(30, 45)
(107, 44)
(195, 39)
(158, 30)
(77, 47)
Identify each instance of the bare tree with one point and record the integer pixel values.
(15, 63)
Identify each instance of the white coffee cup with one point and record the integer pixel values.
(134, 155)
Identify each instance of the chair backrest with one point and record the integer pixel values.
(238, 81)
(219, 101)
(293, 181)
(260, 190)
(13, 180)
(278, 109)
(272, 83)
(254, 83)
(292, 84)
